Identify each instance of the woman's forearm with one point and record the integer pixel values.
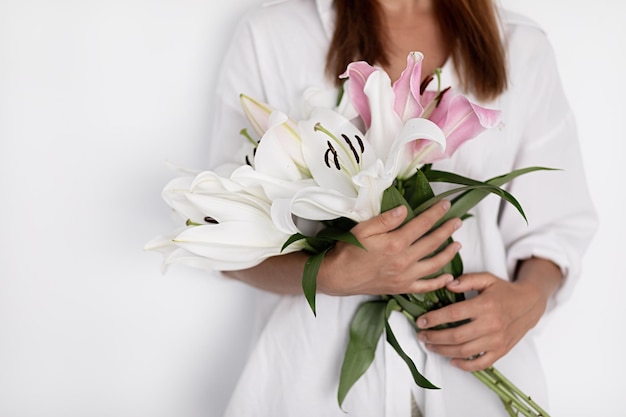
(279, 274)
(542, 275)
(395, 261)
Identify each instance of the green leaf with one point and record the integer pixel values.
(319, 245)
(503, 179)
(341, 223)
(339, 235)
(391, 339)
(309, 277)
(392, 198)
(455, 266)
(340, 93)
(472, 195)
(365, 331)
(417, 189)
(412, 307)
(463, 203)
(449, 177)
(293, 238)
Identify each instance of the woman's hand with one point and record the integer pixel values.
(501, 314)
(396, 258)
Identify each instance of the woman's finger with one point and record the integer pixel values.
(421, 286)
(476, 362)
(469, 282)
(429, 266)
(421, 224)
(383, 223)
(428, 244)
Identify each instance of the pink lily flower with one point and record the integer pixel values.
(459, 118)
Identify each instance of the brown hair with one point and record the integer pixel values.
(470, 27)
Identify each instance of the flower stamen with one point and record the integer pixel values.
(352, 148)
(424, 84)
(361, 145)
(335, 156)
(440, 96)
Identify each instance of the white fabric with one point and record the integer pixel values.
(277, 52)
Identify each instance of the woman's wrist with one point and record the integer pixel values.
(542, 278)
(278, 274)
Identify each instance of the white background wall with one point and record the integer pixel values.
(95, 96)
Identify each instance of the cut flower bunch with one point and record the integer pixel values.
(348, 161)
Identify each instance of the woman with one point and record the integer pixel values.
(516, 271)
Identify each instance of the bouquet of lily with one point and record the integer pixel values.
(369, 152)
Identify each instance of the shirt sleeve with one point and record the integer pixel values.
(561, 216)
(239, 74)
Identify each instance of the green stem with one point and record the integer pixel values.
(505, 395)
(509, 409)
(409, 316)
(519, 392)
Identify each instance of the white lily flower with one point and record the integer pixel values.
(351, 174)
(229, 227)
(172, 254)
(275, 170)
(280, 131)
(243, 238)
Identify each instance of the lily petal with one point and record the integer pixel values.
(318, 203)
(184, 257)
(273, 187)
(209, 183)
(358, 73)
(257, 113)
(233, 207)
(407, 88)
(460, 120)
(334, 150)
(282, 216)
(279, 152)
(372, 183)
(174, 193)
(234, 245)
(385, 123)
(416, 140)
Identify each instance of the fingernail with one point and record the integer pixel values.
(457, 246)
(454, 283)
(421, 337)
(449, 279)
(421, 322)
(457, 224)
(446, 205)
(397, 212)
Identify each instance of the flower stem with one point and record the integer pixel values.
(514, 400)
(506, 397)
(517, 391)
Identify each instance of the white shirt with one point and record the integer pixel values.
(293, 370)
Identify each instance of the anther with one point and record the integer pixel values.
(358, 139)
(210, 220)
(356, 155)
(335, 156)
(440, 96)
(326, 158)
(425, 83)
